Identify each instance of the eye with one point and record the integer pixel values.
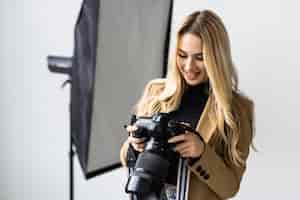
(182, 55)
(199, 58)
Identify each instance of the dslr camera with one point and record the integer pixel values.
(151, 167)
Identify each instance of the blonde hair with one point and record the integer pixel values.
(223, 81)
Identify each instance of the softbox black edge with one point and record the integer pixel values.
(97, 5)
(103, 170)
(167, 42)
(82, 164)
(85, 5)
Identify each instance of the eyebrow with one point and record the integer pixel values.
(196, 54)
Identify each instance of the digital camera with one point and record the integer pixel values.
(151, 167)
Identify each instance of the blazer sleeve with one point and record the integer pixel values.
(152, 88)
(211, 168)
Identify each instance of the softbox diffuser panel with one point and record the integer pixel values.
(131, 48)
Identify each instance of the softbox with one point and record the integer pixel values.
(119, 46)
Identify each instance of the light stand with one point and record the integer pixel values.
(62, 65)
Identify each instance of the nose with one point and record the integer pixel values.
(188, 64)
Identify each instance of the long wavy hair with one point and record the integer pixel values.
(223, 81)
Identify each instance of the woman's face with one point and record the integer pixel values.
(190, 59)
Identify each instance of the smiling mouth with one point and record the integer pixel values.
(192, 76)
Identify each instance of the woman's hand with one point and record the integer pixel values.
(189, 145)
(137, 143)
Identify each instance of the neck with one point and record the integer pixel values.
(200, 86)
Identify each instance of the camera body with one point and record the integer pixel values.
(157, 130)
(151, 168)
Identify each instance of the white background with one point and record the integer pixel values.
(34, 110)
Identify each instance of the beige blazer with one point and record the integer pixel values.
(209, 177)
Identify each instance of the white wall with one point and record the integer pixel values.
(265, 46)
(34, 111)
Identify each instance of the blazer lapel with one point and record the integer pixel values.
(206, 126)
(207, 123)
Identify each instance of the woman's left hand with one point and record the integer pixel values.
(190, 145)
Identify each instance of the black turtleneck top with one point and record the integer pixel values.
(189, 111)
(192, 104)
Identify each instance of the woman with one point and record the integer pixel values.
(201, 89)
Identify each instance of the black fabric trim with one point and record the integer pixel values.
(85, 38)
(167, 41)
(103, 170)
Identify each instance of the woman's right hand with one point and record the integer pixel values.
(137, 143)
